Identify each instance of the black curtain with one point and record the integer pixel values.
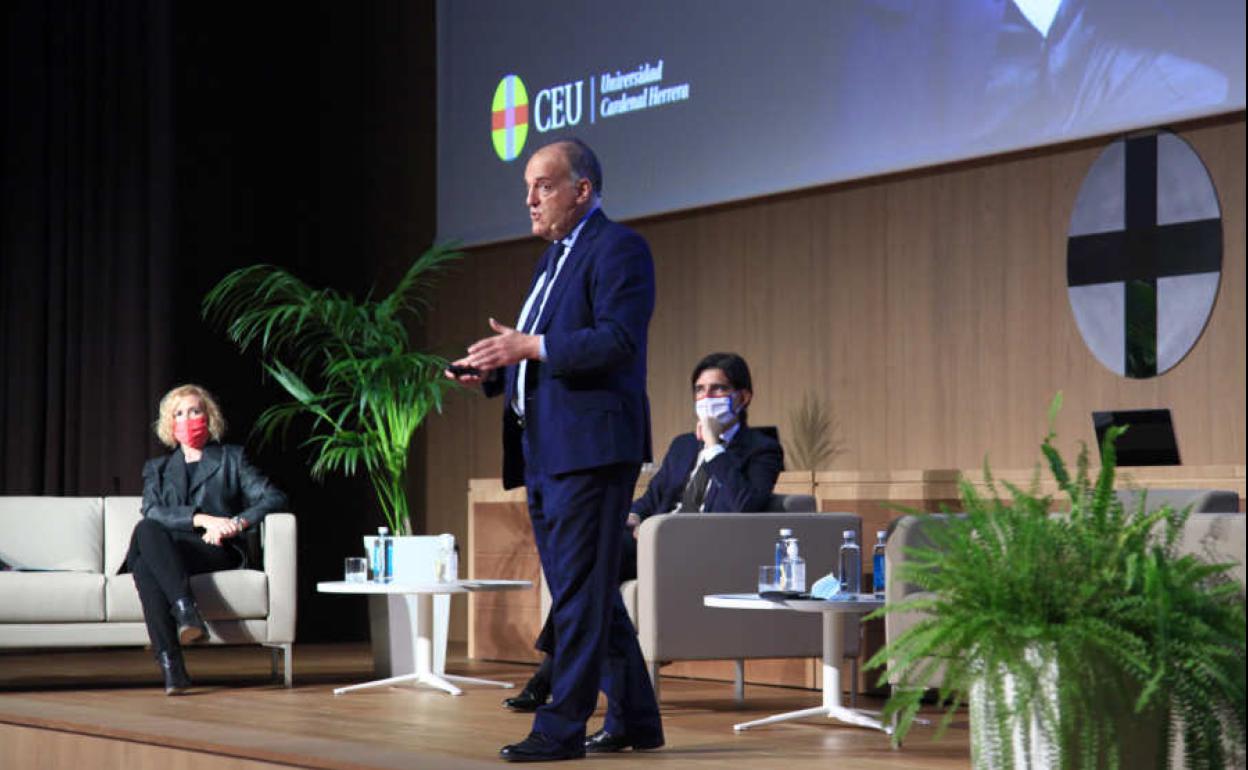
(148, 148)
(85, 242)
(305, 138)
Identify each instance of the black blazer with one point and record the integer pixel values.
(227, 485)
(742, 476)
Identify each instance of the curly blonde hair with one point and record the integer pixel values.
(164, 422)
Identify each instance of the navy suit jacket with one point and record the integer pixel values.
(742, 476)
(585, 405)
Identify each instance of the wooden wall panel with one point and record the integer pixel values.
(500, 545)
(795, 483)
(929, 309)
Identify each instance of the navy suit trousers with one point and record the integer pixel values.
(578, 520)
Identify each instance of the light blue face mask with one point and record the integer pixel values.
(826, 587)
(719, 407)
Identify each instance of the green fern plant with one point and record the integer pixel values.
(1096, 592)
(348, 365)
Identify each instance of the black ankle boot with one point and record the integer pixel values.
(191, 626)
(176, 679)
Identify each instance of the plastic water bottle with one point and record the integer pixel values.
(383, 556)
(877, 563)
(389, 558)
(781, 547)
(851, 564)
(794, 569)
(379, 569)
(446, 565)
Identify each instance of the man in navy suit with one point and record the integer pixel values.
(724, 466)
(576, 429)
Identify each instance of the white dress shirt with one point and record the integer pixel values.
(541, 289)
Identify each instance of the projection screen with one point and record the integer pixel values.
(698, 102)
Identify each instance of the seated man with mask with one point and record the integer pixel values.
(723, 466)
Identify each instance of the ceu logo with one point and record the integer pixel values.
(509, 124)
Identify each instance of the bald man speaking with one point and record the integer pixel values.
(576, 429)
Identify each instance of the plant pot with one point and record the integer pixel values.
(1029, 740)
(390, 617)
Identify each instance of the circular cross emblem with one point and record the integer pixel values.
(509, 123)
(1144, 254)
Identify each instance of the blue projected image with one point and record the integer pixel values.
(706, 101)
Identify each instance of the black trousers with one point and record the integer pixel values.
(163, 561)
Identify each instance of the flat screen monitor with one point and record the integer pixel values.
(1149, 439)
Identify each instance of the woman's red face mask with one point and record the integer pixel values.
(191, 431)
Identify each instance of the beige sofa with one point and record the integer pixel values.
(66, 590)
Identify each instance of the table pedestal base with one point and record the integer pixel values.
(849, 716)
(831, 708)
(420, 608)
(439, 681)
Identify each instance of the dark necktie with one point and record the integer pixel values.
(695, 490)
(530, 323)
(526, 371)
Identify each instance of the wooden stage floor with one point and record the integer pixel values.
(100, 710)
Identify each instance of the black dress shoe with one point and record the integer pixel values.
(528, 700)
(603, 742)
(191, 626)
(538, 748)
(176, 679)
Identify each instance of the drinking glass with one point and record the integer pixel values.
(769, 578)
(355, 569)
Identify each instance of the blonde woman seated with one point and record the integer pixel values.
(202, 504)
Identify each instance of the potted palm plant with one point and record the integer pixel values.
(1080, 638)
(347, 365)
(358, 385)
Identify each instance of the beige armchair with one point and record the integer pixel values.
(683, 557)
